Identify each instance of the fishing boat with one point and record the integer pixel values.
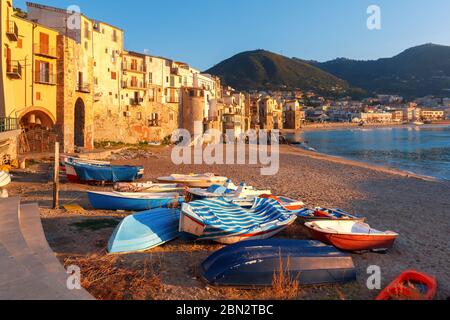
(148, 187)
(5, 179)
(351, 235)
(287, 203)
(195, 180)
(242, 192)
(225, 222)
(133, 201)
(105, 173)
(318, 214)
(410, 285)
(254, 264)
(145, 230)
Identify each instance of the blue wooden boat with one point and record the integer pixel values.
(107, 173)
(226, 222)
(144, 231)
(253, 264)
(133, 201)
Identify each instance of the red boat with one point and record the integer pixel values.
(286, 203)
(410, 285)
(351, 235)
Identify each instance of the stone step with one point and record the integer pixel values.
(33, 232)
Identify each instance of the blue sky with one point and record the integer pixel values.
(204, 32)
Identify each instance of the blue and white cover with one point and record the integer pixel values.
(221, 218)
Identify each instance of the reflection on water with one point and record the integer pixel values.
(423, 150)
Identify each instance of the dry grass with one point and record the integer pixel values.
(112, 278)
(285, 286)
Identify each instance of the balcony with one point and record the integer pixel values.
(9, 124)
(83, 87)
(12, 31)
(136, 101)
(13, 69)
(133, 86)
(133, 67)
(45, 51)
(45, 78)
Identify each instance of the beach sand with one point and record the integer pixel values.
(415, 207)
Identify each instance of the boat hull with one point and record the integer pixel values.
(253, 264)
(144, 231)
(349, 242)
(101, 201)
(107, 173)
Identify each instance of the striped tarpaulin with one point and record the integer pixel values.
(223, 218)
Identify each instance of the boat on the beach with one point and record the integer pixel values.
(148, 187)
(5, 179)
(106, 173)
(226, 222)
(195, 180)
(133, 201)
(67, 165)
(248, 193)
(410, 285)
(254, 264)
(351, 235)
(145, 230)
(287, 203)
(317, 214)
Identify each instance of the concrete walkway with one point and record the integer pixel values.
(29, 268)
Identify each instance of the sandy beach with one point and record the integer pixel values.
(415, 207)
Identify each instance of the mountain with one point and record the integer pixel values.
(418, 71)
(264, 70)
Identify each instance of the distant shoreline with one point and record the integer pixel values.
(343, 126)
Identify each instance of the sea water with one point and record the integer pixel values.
(423, 150)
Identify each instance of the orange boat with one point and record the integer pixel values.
(351, 235)
(286, 203)
(410, 285)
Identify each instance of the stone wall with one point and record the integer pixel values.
(9, 145)
(69, 62)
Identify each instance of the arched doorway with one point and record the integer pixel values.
(38, 131)
(79, 123)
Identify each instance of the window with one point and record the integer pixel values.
(153, 121)
(151, 95)
(43, 43)
(86, 45)
(43, 71)
(171, 117)
(38, 96)
(113, 75)
(19, 43)
(138, 115)
(150, 77)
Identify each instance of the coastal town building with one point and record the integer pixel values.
(432, 115)
(293, 115)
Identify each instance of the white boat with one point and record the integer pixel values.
(195, 180)
(5, 179)
(148, 187)
(244, 195)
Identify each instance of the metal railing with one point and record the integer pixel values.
(126, 66)
(9, 124)
(45, 78)
(83, 87)
(13, 68)
(45, 50)
(136, 102)
(12, 31)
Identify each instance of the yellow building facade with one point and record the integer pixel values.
(29, 70)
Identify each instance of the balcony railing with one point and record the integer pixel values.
(83, 87)
(13, 69)
(46, 51)
(136, 102)
(133, 67)
(45, 78)
(12, 31)
(9, 124)
(133, 86)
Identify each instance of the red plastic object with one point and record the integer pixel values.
(405, 287)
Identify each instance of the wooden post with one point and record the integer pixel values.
(56, 178)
